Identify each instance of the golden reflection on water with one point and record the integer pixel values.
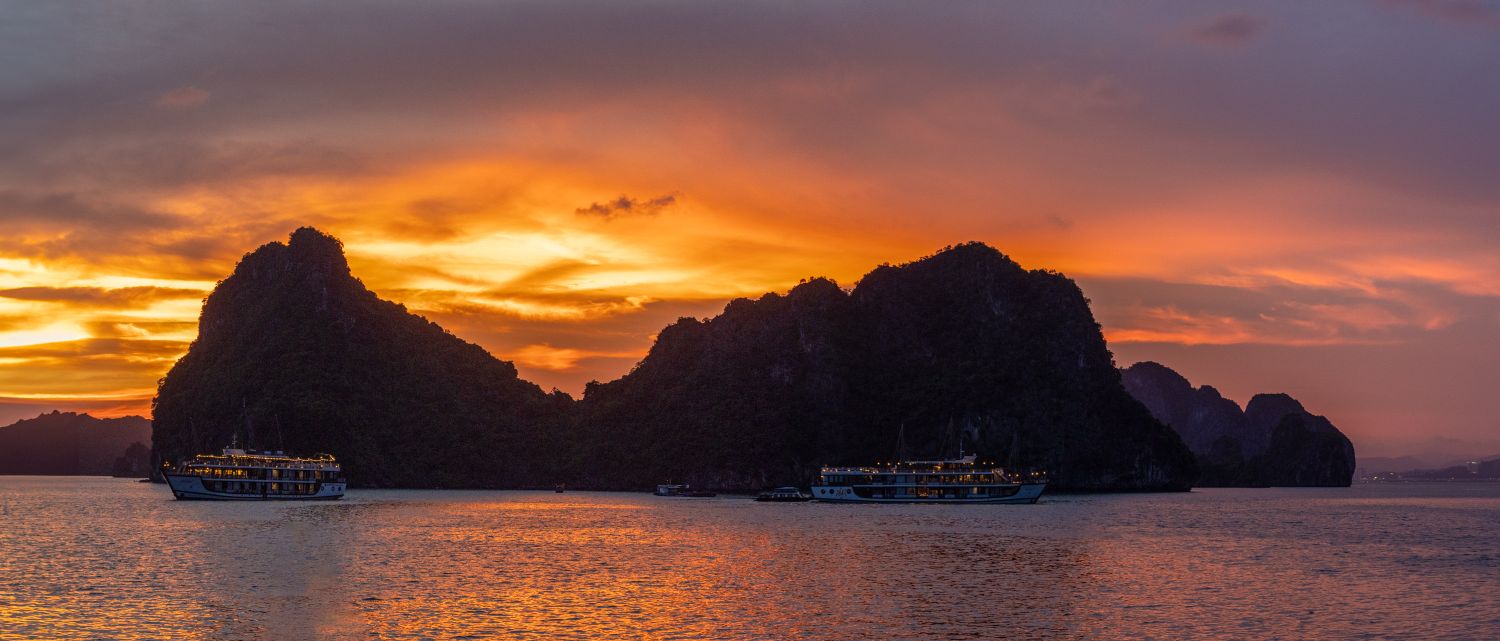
(99, 558)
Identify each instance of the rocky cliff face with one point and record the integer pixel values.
(964, 347)
(69, 443)
(293, 353)
(1274, 441)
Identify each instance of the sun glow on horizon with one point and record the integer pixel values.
(58, 332)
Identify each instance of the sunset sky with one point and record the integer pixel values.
(1299, 197)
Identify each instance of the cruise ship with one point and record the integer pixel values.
(961, 480)
(239, 475)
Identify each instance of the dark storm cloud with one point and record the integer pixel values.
(627, 206)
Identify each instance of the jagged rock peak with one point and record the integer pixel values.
(295, 353)
(306, 250)
(1161, 374)
(973, 257)
(1273, 405)
(1274, 441)
(816, 289)
(970, 252)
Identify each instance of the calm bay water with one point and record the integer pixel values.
(89, 558)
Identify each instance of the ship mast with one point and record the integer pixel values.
(901, 443)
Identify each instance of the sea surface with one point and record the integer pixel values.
(94, 558)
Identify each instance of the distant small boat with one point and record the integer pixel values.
(239, 475)
(783, 495)
(559, 488)
(682, 491)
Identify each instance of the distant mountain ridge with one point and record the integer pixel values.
(1486, 468)
(1274, 441)
(67, 443)
(295, 353)
(1372, 465)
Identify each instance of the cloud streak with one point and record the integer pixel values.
(627, 206)
(1233, 29)
(123, 297)
(183, 98)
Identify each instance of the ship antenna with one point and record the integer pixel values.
(953, 432)
(901, 443)
(249, 424)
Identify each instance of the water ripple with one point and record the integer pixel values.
(102, 558)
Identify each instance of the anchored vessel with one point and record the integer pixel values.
(783, 495)
(682, 490)
(950, 481)
(238, 475)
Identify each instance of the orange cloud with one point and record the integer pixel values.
(122, 297)
(182, 98)
(547, 357)
(121, 371)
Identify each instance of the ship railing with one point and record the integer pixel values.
(907, 468)
(945, 471)
(264, 464)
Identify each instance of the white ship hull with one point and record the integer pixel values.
(1025, 493)
(189, 487)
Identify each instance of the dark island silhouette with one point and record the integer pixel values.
(70, 444)
(961, 348)
(1273, 442)
(294, 353)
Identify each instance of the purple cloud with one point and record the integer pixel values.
(1232, 29)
